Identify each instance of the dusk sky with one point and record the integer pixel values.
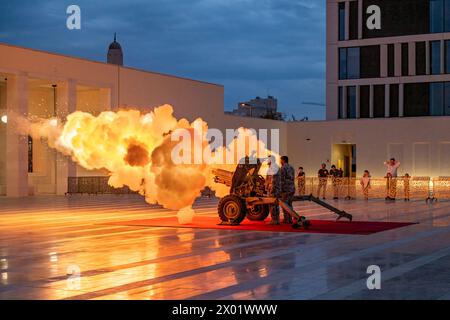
(252, 47)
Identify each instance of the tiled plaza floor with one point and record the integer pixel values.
(45, 241)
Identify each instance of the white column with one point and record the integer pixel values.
(387, 101)
(398, 59)
(358, 93)
(66, 103)
(347, 20)
(16, 143)
(371, 102)
(360, 19)
(401, 100)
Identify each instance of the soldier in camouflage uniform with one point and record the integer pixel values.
(287, 173)
(273, 187)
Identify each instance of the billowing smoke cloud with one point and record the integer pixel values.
(137, 150)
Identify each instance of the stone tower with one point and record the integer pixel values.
(115, 54)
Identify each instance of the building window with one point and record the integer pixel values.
(30, 154)
(391, 60)
(447, 56)
(435, 57)
(353, 63)
(421, 65)
(427, 99)
(439, 16)
(447, 16)
(353, 17)
(416, 99)
(340, 102)
(378, 101)
(351, 102)
(364, 101)
(447, 99)
(370, 62)
(436, 16)
(436, 99)
(405, 60)
(342, 63)
(349, 63)
(393, 100)
(341, 21)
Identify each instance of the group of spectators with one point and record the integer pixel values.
(281, 184)
(336, 175)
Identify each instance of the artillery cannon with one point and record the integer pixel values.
(249, 199)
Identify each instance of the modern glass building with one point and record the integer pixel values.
(388, 58)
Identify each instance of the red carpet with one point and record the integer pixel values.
(318, 226)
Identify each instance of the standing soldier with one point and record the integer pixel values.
(392, 167)
(273, 187)
(336, 179)
(323, 180)
(287, 186)
(365, 184)
(301, 181)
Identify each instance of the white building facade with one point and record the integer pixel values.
(387, 88)
(388, 95)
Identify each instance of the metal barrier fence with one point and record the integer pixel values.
(94, 185)
(420, 188)
(414, 188)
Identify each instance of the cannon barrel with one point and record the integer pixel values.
(223, 176)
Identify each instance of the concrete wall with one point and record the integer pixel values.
(89, 86)
(421, 144)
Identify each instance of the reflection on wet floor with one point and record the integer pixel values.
(61, 248)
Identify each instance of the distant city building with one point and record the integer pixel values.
(259, 108)
(115, 54)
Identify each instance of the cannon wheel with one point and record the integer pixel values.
(232, 209)
(258, 213)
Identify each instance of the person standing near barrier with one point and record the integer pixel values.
(392, 167)
(287, 173)
(391, 187)
(336, 180)
(365, 184)
(406, 187)
(273, 187)
(323, 180)
(301, 181)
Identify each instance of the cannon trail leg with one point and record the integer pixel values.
(301, 221)
(341, 214)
